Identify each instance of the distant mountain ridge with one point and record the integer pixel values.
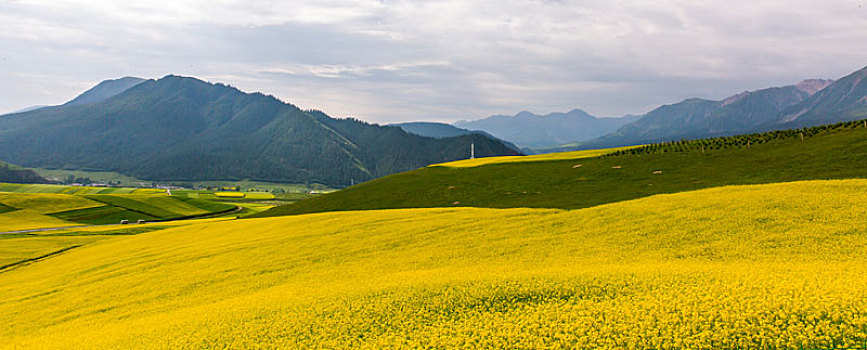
(28, 109)
(179, 128)
(844, 100)
(98, 93)
(441, 130)
(432, 129)
(749, 111)
(540, 131)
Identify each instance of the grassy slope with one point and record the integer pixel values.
(103, 215)
(771, 266)
(559, 184)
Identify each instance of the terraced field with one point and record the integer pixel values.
(24, 211)
(777, 266)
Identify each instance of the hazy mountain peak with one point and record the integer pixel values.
(842, 100)
(812, 86)
(734, 98)
(536, 131)
(577, 111)
(105, 90)
(28, 109)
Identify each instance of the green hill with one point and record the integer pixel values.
(184, 129)
(15, 174)
(830, 152)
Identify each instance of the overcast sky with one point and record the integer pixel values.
(388, 61)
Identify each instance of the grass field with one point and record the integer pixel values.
(586, 182)
(107, 214)
(775, 266)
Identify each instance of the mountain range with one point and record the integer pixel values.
(442, 130)
(184, 129)
(808, 103)
(699, 118)
(542, 131)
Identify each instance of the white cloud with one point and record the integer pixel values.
(444, 60)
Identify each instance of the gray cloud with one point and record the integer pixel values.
(389, 61)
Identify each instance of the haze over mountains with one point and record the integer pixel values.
(808, 103)
(184, 129)
(542, 131)
(699, 118)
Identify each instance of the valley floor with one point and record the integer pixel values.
(777, 266)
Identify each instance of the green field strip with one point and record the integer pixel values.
(206, 205)
(159, 207)
(6, 209)
(7, 187)
(103, 215)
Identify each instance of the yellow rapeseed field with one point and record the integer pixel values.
(46, 202)
(229, 194)
(27, 219)
(465, 163)
(778, 266)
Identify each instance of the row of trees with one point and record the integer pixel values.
(740, 141)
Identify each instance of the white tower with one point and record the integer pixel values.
(473, 150)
